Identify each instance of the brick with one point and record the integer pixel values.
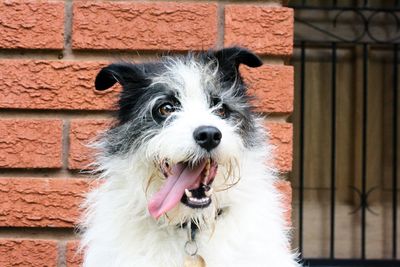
(266, 30)
(272, 86)
(82, 132)
(31, 24)
(70, 86)
(28, 252)
(144, 26)
(41, 202)
(38, 84)
(74, 257)
(30, 143)
(285, 189)
(281, 138)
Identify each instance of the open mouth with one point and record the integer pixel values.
(186, 182)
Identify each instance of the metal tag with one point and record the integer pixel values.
(194, 261)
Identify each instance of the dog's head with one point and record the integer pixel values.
(187, 120)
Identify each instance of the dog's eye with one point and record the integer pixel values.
(222, 111)
(166, 109)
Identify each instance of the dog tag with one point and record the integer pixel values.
(194, 261)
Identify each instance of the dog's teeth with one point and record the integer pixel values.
(201, 201)
(209, 192)
(188, 193)
(207, 172)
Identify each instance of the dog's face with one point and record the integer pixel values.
(188, 119)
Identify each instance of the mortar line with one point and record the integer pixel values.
(97, 115)
(220, 25)
(43, 174)
(65, 144)
(278, 117)
(55, 114)
(111, 56)
(62, 257)
(67, 52)
(60, 233)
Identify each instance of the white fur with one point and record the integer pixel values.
(251, 230)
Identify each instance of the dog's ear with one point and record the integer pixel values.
(234, 56)
(123, 73)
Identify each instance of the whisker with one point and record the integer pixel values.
(231, 176)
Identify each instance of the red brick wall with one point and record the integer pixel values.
(50, 52)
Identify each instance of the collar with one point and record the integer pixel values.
(194, 228)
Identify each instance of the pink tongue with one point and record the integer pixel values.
(171, 193)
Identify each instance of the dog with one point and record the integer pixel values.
(184, 180)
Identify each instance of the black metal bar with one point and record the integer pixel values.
(350, 263)
(394, 145)
(364, 149)
(328, 42)
(346, 8)
(366, 34)
(301, 144)
(333, 154)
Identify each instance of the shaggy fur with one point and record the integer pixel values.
(243, 225)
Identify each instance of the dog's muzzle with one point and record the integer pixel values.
(186, 182)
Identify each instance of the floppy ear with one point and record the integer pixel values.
(123, 73)
(232, 57)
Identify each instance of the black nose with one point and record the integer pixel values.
(207, 137)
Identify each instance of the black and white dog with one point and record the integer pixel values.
(185, 181)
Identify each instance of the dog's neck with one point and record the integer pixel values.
(193, 225)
